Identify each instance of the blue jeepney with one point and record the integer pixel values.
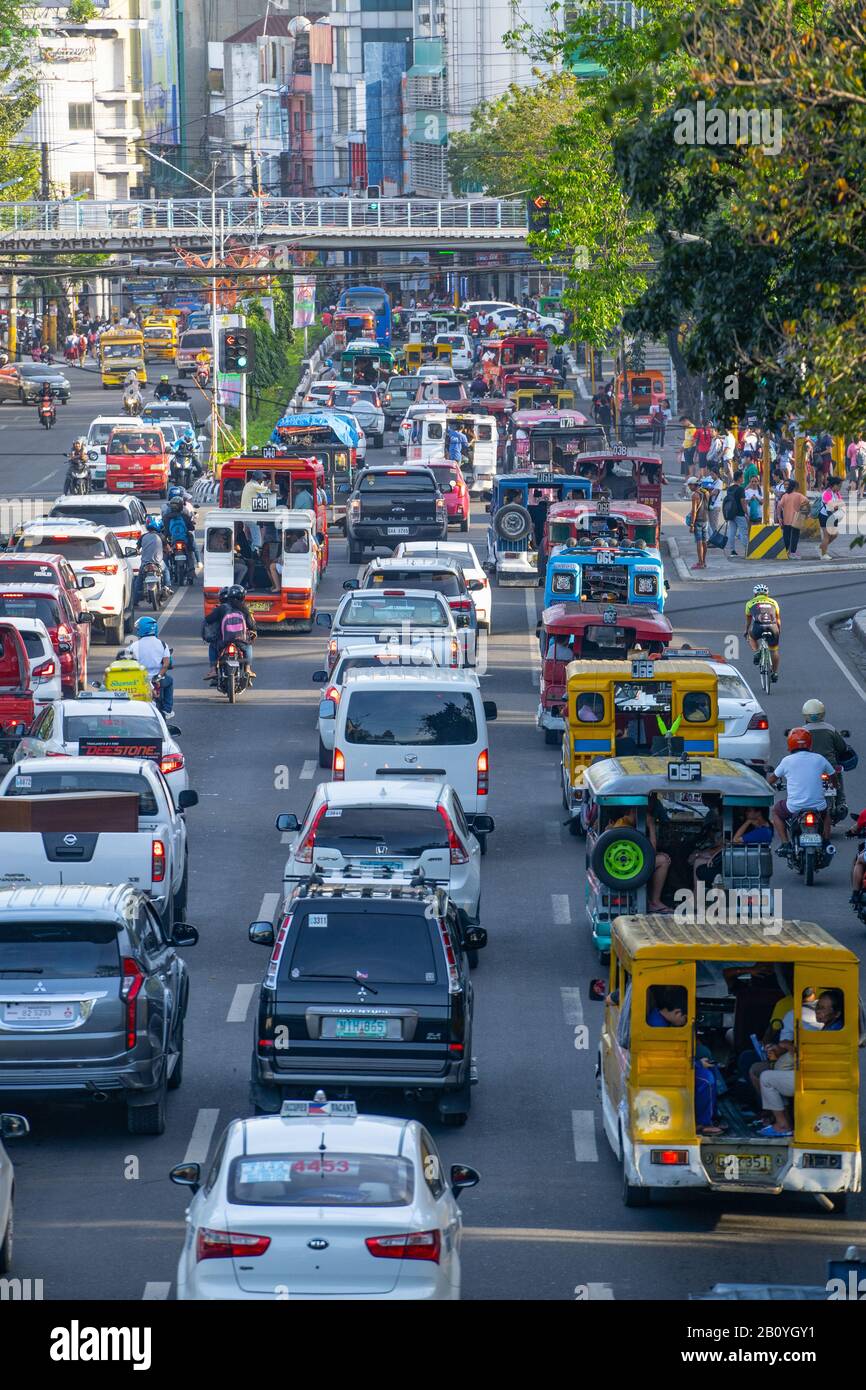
(602, 573)
(518, 511)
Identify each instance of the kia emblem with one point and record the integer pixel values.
(318, 1244)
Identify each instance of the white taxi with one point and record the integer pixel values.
(321, 1202)
(91, 550)
(466, 557)
(103, 726)
(745, 733)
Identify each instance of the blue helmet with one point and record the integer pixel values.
(176, 491)
(153, 524)
(146, 627)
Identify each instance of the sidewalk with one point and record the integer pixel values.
(721, 566)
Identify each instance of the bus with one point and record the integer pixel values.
(374, 300)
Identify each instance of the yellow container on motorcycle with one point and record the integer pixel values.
(128, 677)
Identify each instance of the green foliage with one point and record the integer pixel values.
(20, 99)
(80, 11)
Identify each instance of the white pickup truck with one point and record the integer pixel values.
(95, 820)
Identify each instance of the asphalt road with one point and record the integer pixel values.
(97, 1218)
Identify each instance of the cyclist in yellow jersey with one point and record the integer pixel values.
(764, 619)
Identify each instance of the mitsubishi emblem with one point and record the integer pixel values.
(362, 993)
(39, 988)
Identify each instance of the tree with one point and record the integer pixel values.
(20, 99)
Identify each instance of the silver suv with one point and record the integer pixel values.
(93, 996)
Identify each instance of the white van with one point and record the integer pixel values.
(461, 350)
(429, 724)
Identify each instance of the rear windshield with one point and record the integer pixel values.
(434, 718)
(70, 783)
(443, 581)
(344, 400)
(378, 611)
(34, 643)
(321, 1180)
(446, 478)
(398, 480)
(101, 516)
(32, 950)
(79, 726)
(733, 687)
(446, 390)
(73, 547)
(382, 947)
(25, 571)
(403, 385)
(402, 829)
(47, 610)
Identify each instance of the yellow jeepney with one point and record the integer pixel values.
(443, 353)
(160, 338)
(121, 350)
(621, 708)
(686, 999)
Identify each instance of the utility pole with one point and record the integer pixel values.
(259, 148)
(45, 193)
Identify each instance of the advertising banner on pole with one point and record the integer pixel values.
(303, 301)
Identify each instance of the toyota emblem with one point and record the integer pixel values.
(70, 839)
(317, 1244)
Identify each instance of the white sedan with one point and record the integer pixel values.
(107, 726)
(746, 736)
(467, 557)
(320, 1202)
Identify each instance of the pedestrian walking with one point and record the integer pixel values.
(855, 457)
(687, 457)
(703, 440)
(658, 419)
(792, 509)
(734, 512)
(699, 521)
(712, 482)
(830, 516)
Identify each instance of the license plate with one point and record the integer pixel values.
(398, 530)
(810, 840)
(125, 484)
(41, 1013)
(259, 607)
(394, 864)
(746, 1163)
(361, 1028)
(231, 662)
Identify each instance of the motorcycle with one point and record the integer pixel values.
(47, 412)
(807, 851)
(155, 592)
(233, 672)
(185, 467)
(77, 481)
(132, 404)
(180, 563)
(201, 375)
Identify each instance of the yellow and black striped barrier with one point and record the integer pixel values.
(766, 543)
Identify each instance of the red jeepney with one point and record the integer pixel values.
(288, 478)
(137, 460)
(17, 710)
(625, 477)
(583, 518)
(512, 379)
(511, 350)
(590, 632)
(550, 438)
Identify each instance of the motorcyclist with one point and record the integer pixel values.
(858, 868)
(802, 770)
(130, 381)
(149, 649)
(150, 545)
(163, 388)
(46, 404)
(827, 741)
(764, 619)
(180, 527)
(231, 600)
(77, 468)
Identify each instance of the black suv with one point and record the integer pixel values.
(368, 986)
(390, 505)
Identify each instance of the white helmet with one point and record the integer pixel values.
(813, 709)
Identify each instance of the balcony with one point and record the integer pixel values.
(425, 93)
(125, 132)
(118, 94)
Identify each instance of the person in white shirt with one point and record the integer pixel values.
(802, 770)
(256, 486)
(150, 650)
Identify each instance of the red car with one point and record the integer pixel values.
(68, 626)
(450, 479)
(16, 695)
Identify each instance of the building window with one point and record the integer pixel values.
(81, 183)
(308, 116)
(341, 50)
(342, 166)
(80, 115)
(343, 109)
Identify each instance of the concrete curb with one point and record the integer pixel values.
(750, 569)
(859, 626)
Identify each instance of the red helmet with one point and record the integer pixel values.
(799, 741)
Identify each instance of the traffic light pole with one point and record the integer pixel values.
(214, 439)
(243, 389)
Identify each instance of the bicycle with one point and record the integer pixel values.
(765, 665)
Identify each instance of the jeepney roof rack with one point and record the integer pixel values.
(343, 886)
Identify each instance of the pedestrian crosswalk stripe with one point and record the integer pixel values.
(765, 543)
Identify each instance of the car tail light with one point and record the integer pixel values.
(332, 693)
(455, 652)
(170, 762)
(157, 861)
(453, 972)
(304, 851)
(228, 1245)
(810, 818)
(460, 605)
(274, 965)
(339, 768)
(417, 1245)
(483, 769)
(457, 852)
(669, 1157)
(45, 670)
(759, 721)
(130, 988)
(101, 569)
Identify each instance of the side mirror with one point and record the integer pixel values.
(174, 730)
(327, 709)
(474, 938)
(318, 677)
(323, 620)
(846, 733)
(489, 710)
(187, 1175)
(87, 617)
(183, 934)
(484, 825)
(598, 990)
(287, 820)
(186, 799)
(86, 582)
(130, 550)
(667, 587)
(350, 584)
(462, 1176)
(13, 1126)
(262, 933)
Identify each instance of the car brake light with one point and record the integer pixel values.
(759, 721)
(170, 762)
(130, 988)
(228, 1245)
(274, 962)
(304, 851)
(101, 569)
(810, 818)
(394, 593)
(461, 605)
(457, 852)
(157, 861)
(669, 1157)
(45, 671)
(332, 693)
(417, 1245)
(450, 959)
(483, 773)
(339, 768)
(455, 652)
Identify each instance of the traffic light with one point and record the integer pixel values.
(538, 211)
(374, 192)
(237, 350)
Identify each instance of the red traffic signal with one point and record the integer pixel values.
(538, 213)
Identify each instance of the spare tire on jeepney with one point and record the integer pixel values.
(512, 522)
(623, 858)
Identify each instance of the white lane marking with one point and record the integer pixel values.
(572, 1005)
(308, 770)
(202, 1133)
(39, 481)
(154, 1291)
(583, 1132)
(828, 647)
(239, 1007)
(534, 651)
(561, 909)
(599, 1291)
(268, 907)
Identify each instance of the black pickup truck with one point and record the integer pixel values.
(390, 505)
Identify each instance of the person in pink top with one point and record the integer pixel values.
(855, 456)
(830, 516)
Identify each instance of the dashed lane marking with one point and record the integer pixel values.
(561, 909)
(583, 1133)
(154, 1291)
(268, 907)
(572, 1005)
(202, 1133)
(308, 770)
(239, 1007)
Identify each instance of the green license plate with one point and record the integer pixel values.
(361, 1028)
